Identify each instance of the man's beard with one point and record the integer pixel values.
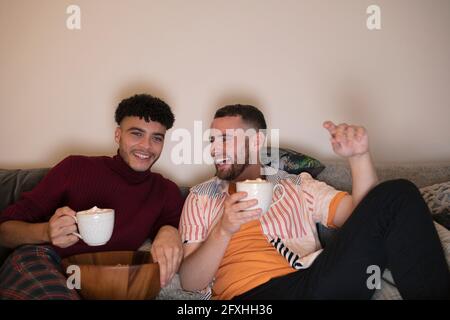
(236, 168)
(232, 173)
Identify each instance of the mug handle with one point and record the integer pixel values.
(279, 185)
(75, 233)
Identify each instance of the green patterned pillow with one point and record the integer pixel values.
(294, 162)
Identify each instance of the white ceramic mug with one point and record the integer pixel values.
(261, 190)
(95, 225)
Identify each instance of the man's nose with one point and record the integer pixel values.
(217, 149)
(145, 144)
(213, 148)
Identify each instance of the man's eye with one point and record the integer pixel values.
(137, 133)
(158, 139)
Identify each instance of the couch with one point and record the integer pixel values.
(337, 174)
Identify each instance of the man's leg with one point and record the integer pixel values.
(391, 227)
(34, 272)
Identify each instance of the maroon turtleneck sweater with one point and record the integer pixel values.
(143, 201)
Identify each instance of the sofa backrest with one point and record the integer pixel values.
(14, 182)
(337, 173)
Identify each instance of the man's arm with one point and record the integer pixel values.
(203, 259)
(167, 248)
(168, 252)
(352, 142)
(364, 176)
(16, 233)
(58, 231)
(21, 222)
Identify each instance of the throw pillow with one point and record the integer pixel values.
(437, 197)
(293, 162)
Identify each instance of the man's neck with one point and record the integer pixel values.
(252, 172)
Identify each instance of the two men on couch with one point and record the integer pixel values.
(234, 252)
(41, 225)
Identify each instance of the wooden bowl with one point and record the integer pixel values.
(117, 275)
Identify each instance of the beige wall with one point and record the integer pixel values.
(301, 61)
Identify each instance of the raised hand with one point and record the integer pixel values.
(348, 140)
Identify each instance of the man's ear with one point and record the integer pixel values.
(256, 143)
(117, 135)
(259, 139)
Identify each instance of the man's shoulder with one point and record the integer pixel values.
(78, 162)
(163, 181)
(210, 187)
(284, 177)
(80, 159)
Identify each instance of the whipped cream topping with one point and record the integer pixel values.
(259, 180)
(95, 210)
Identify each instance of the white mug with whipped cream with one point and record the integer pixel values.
(260, 190)
(95, 225)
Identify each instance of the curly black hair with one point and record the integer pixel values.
(248, 113)
(147, 107)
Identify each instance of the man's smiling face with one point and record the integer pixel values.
(229, 147)
(140, 142)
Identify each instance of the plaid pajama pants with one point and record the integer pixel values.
(34, 273)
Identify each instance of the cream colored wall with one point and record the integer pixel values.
(301, 61)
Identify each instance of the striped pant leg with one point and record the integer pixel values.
(34, 273)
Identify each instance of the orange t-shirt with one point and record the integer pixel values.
(257, 260)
